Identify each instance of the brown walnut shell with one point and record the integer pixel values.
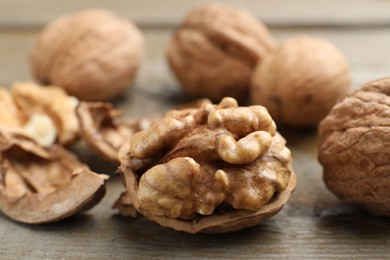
(301, 80)
(44, 184)
(215, 49)
(92, 54)
(355, 148)
(213, 169)
(104, 130)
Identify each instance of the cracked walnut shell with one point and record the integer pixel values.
(355, 148)
(301, 80)
(215, 49)
(43, 184)
(92, 54)
(214, 169)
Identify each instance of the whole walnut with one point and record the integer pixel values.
(93, 54)
(355, 147)
(301, 80)
(215, 49)
(216, 168)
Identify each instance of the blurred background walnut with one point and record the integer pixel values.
(301, 80)
(93, 54)
(355, 148)
(215, 49)
(216, 168)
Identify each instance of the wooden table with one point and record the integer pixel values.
(314, 224)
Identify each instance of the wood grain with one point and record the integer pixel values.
(36, 13)
(313, 225)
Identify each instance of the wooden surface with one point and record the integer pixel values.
(313, 225)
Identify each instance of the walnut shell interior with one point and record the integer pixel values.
(104, 130)
(214, 169)
(44, 184)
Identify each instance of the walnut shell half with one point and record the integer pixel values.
(104, 130)
(216, 168)
(355, 147)
(44, 184)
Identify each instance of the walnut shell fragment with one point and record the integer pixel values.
(215, 50)
(104, 130)
(212, 169)
(44, 184)
(355, 148)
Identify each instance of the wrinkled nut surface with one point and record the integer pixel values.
(45, 114)
(43, 184)
(214, 169)
(355, 147)
(104, 130)
(92, 54)
(301, 80)
(215, 49)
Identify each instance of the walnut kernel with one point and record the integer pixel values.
(196, 167)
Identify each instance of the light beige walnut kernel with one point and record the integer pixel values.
(196, 170)
(93, 54)
(215, 49)
(355, 148)
(45, 114)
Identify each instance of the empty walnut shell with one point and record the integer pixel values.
(43, 184)
(212, 169)
(92, 54)
(355, 147)
(215, 49)
(104, 130)
(301, 80)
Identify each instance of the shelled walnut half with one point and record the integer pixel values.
(43, 184)
(212, 169)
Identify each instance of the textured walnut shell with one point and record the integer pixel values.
(40, 184)
(214, 169)
(355, 147)
(92, 54)
(301, 80)
(215, 49)
(104, 130)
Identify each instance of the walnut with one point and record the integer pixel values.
(104, 130)
(215, 49)
(301, 80)
(355, 147)
(92, 54)
(216, 168)
(45, 114)
(43, 184)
